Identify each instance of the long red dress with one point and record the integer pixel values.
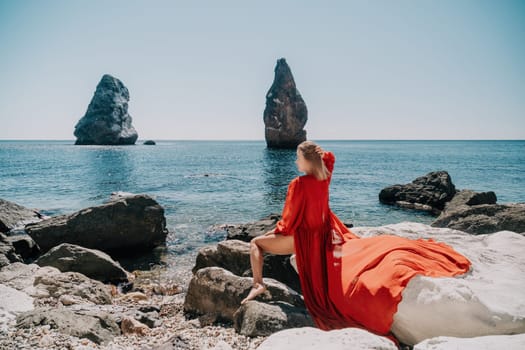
(357, 283)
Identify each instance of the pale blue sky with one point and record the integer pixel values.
(448, 69)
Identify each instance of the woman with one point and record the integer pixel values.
(346, 281)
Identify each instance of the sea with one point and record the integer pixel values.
(202, 184)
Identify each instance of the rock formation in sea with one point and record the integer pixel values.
(285, 114)
(107, 121)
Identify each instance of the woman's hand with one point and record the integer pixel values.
(319, 151)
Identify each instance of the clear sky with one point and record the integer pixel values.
(447, 69)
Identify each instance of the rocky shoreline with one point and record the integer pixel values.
(65, 291)
(60, 287)
(164, 324)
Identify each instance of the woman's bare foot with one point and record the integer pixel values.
(258, 288)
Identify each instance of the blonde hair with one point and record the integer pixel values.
(318, 170)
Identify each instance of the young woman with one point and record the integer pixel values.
(346, 281)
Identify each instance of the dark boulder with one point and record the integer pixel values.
(90, 262)
(429, 193)
(122, 226)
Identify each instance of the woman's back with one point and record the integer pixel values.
(316, 204)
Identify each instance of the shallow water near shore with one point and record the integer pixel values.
(203, 183)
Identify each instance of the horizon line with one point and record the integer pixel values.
(263, 140)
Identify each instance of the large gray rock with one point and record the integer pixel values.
(14, 216)
(285, 114)
(234, 256)
(107, 121)
(256, 319)
(89, 262)
(122, 226)
(216, 291)
(99, 327)
(429, 193)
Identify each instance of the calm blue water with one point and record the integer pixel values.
(202, 183)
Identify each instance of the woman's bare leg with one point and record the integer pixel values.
(269, 243)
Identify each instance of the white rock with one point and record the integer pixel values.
(309, 338)
(492, 342)
(488, 300)
(12, 302)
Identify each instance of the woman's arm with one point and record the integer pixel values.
(292, 211)
(327, 157)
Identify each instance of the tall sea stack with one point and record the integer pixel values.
(285, 114)
(107, 121)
